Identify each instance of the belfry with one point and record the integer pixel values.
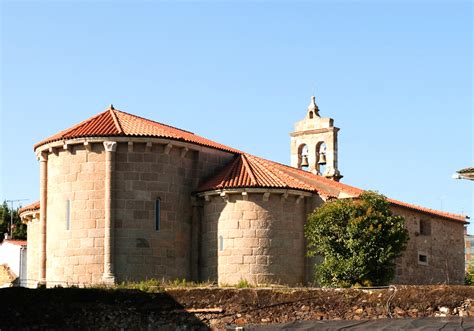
(314, 144)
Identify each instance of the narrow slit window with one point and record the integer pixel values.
(68, 214)
(157, 214)
(221, 243)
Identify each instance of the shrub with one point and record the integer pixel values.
(469, 279)
(359, 239)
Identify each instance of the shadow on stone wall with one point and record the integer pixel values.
(75, 308)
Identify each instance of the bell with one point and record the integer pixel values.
(322, 159)
(304, 160)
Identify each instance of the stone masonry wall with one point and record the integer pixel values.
(75, 255)
(444, 248)
(262, 241)
(141, 177)
(32, 253)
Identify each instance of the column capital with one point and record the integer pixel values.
(42, 156)
(110, 146)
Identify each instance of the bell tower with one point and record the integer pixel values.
(314, 144)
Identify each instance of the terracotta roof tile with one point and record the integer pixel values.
(250, 171)
(30, 207)
(16, 242)
(244, 171)
(430, 211)
(116, 123)
(271, 174)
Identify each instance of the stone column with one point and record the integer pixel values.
(43, 158)
(108, 275)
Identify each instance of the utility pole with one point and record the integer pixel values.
(11, 213)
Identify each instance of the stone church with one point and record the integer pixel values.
(127, 198)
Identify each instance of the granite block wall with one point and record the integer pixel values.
(443, 247)
(258, 241)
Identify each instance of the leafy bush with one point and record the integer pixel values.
(359, 239)
(469, 280)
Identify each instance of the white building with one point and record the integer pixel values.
(13, 254)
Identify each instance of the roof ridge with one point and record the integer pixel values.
(116, 120)
(231, 169)
(152, 121)
(246, 164)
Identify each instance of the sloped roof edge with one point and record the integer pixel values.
(223, 180)
(31, 207)
(116, 123)
(244, 171)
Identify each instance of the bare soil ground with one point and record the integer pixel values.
(215, 308)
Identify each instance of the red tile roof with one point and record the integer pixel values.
(116, 123)
(244, 171)
(251, 171)
(16, 242)
(434, 212)
(31, 207)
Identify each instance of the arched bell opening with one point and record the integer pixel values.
(303, 153)
(311, 114)
(321, 158)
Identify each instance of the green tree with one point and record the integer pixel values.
(469, 280)
(359, 239)
(19, 229)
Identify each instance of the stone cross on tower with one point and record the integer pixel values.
(314, 144)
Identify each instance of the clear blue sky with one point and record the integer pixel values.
(396, 77)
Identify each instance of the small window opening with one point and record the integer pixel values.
(68, 214)
(422, 259)
(310, 114)
(425, 228)
(221, 243)
(157, 214)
